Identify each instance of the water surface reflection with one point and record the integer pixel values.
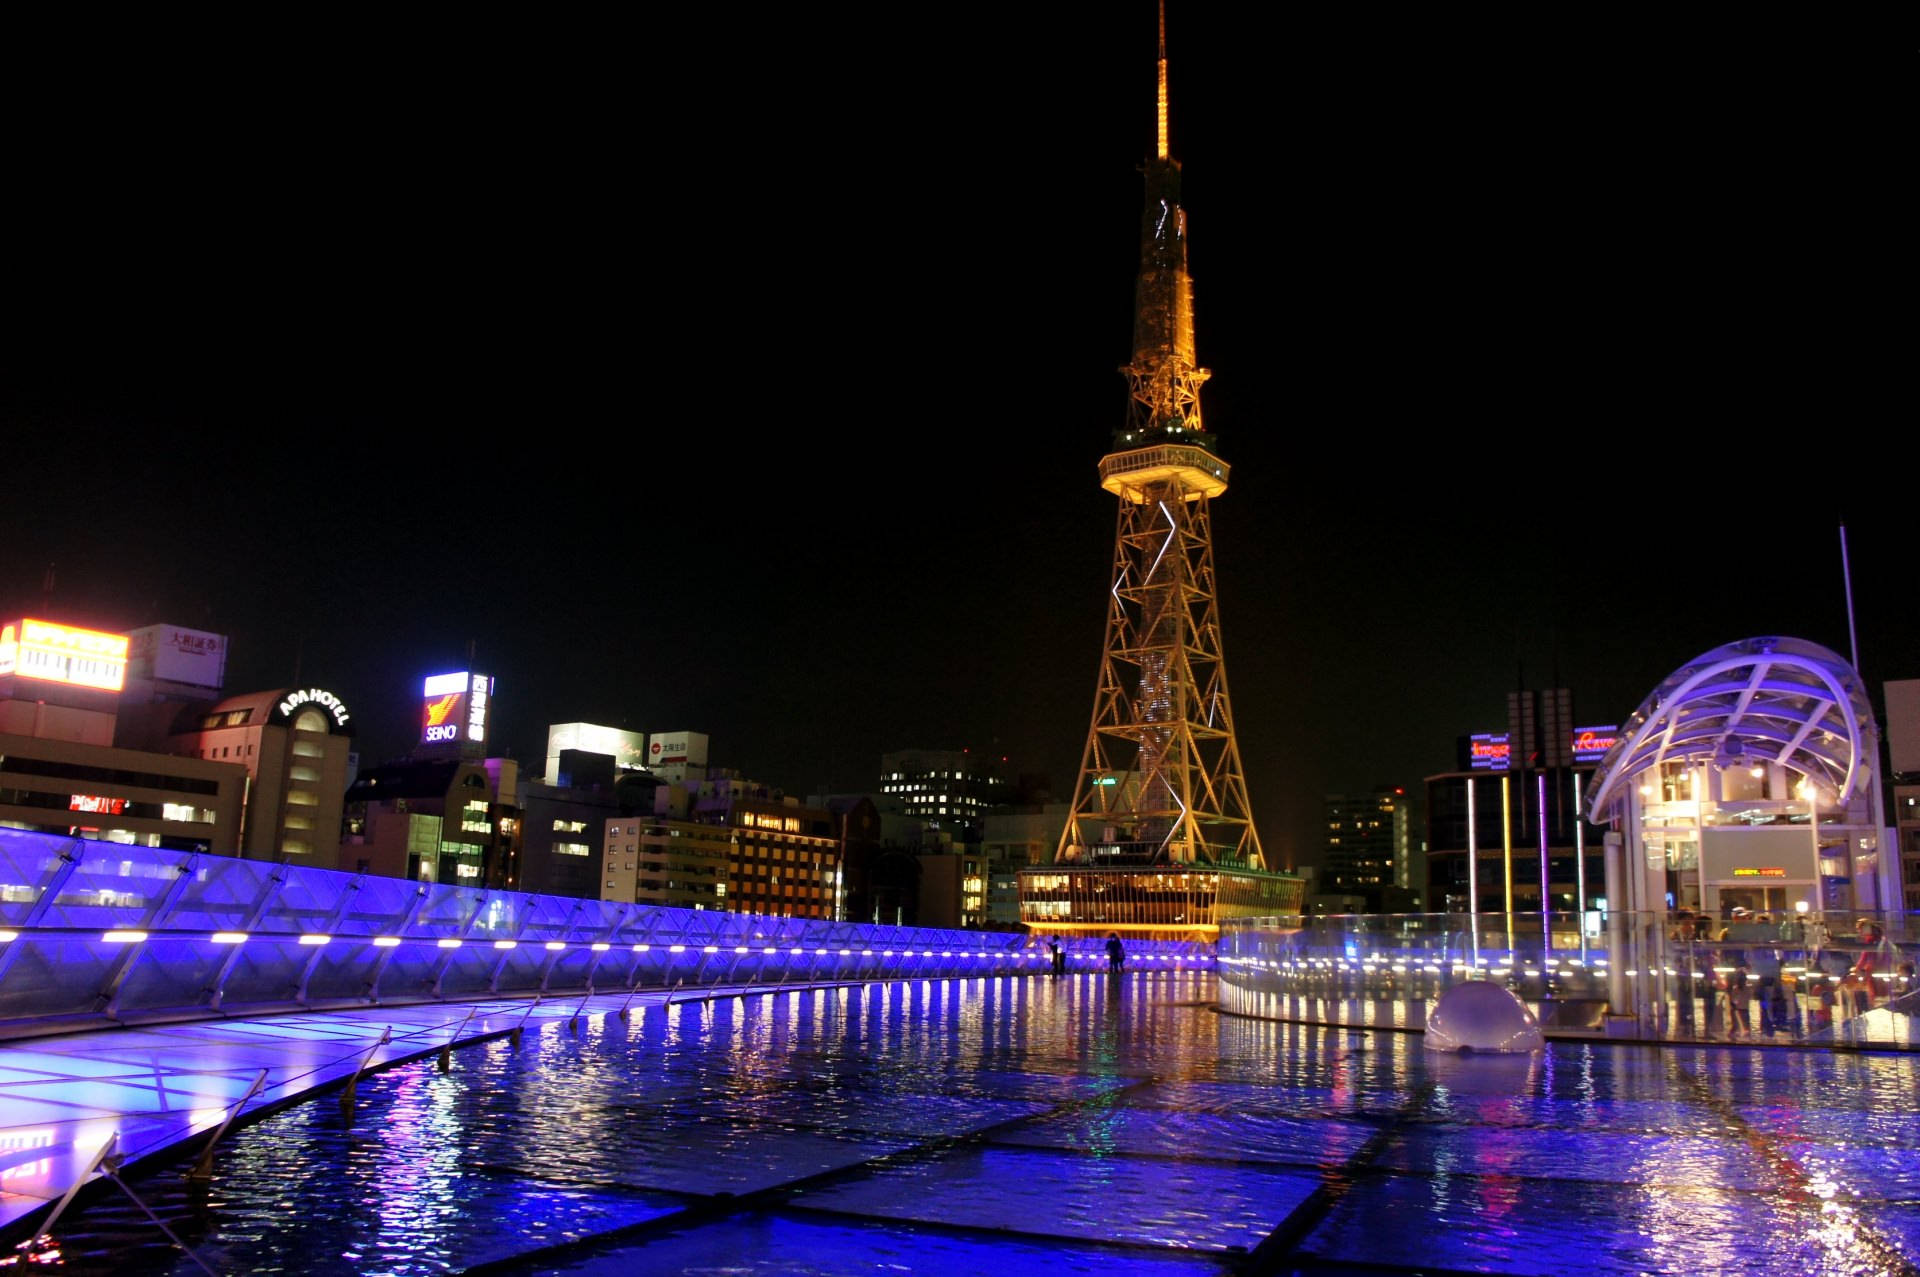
(985, 1122)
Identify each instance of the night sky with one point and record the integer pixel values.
(752, 381)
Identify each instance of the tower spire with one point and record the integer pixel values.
(1164, 377)
(1161, 152)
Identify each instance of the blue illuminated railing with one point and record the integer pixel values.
(95, 933)
(1812, 980)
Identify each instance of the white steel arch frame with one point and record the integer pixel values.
(1778, 700)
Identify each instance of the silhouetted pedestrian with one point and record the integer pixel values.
(1739, 997)
(1116, 953)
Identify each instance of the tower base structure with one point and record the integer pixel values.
(1151, 902)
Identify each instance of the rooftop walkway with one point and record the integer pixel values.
(150, 1090)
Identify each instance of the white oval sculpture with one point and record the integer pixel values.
(1481, 1016)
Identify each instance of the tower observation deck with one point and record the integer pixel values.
(1160, 839)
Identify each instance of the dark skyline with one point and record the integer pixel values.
(758, 391)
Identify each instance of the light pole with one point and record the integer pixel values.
(840, 871)
(1811, 793)
(1473, 875)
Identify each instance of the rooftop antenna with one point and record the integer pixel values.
(1846, 575)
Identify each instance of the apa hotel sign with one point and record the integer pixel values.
(327, 701)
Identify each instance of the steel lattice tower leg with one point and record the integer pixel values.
(1160, 779)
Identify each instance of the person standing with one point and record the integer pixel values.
(1768, 992)
(1877, 957)
(1116, 954)
(1739, 998)
(1059, 955)
(1683, 959)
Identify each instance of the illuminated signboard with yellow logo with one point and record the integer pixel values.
(455, 706)
(63, 654)
(1768, 872)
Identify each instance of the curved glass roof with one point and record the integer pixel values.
(1781, 700)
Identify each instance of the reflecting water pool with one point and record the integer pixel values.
(1068, 1125)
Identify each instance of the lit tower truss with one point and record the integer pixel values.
(1161, 837)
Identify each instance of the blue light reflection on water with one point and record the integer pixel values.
(779, 1246)
(915, 1119)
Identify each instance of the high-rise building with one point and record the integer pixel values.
(949, 791)
(446, 820)
(297, 746)
(1161, 839)
(1368, 850)
(731, 845)
(61, 770)
(1903, 744)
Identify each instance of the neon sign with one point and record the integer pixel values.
(63, 654)
(455, 705)
(97, 803)
(1590, 744)
(1490, 751)
(477, 707)
(445, 707)
(314, 696)
(1769, 871)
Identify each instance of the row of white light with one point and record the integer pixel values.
(1329, 964)
(556, 946)
(1814, 975)
(390, 941)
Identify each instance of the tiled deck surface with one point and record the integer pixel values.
(980, 1126)
(154, 1089)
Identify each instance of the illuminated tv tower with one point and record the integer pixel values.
(1161, 838)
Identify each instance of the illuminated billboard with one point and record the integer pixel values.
(677, 747)
(1490, 751)
(63, 654)
(1493, 751)
(454, 708)
(1590, 744)
(177, 655)
(628, 749)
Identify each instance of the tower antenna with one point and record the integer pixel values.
(1846, 576)
(1161, 151)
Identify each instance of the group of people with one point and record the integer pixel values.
(1740, 961)
(1116, 955)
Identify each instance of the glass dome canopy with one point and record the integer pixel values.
(1760, 700)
